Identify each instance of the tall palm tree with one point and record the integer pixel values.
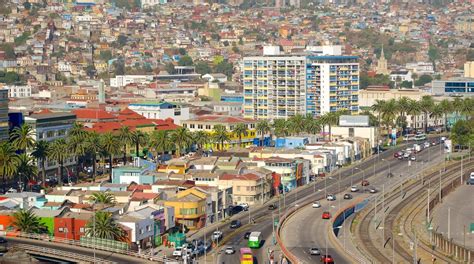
(280, 128)
(22, 137)
(40, 153)
(331, 119)
(402, 106)
(436, 112)
(313, 127)
(447, 108)
(125, 137)
(201, 138)
(161, 142)
(103, 198)
(389, 113)
(59, 152)
(377, 108)
(457, 105)
(220, 135)
(240, 130)
(104, 226)
(181, 138)
(93, 147)
(426, 106)
(26, 168)
(263, 127)
(27, 222)
(77, 147)
(139, 139)
(9, 162)
(414, 111)
(111, 145)
(77, 131)
(297, 123)
(467, 107)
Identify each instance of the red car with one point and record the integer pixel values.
(326, 215)
(327, 259)
(365, 183)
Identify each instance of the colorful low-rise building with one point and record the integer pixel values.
(190, 208)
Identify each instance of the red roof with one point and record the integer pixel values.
(138, 187)
(126, 114)
(92, 114)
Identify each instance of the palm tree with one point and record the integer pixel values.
(104, 226)
(77, 147)
(220, 135)
(125, 137)
(377, 108)
(59, 152)
(110, 144)
(297, 123)
(402, 106)
(9, 162)
(457, 105)
(467, 107)
(280, 128)
(313, 127)
(102, 198)
(414, 111)
(263, 127)
(389, 112)
(239, 130)
(27, 222)
(426, 106)
(181, 138)
(447, 108)
(22, 137)
(77, 131)
(40, 153)
(26, 168)
(436, 112)
(200, 138)
(139, 139)
(93, 147)
(331, 119)
(161, 141)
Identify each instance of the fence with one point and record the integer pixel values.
(444, 244)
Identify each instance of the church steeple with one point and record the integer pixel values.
(382, 67)
(382, 54)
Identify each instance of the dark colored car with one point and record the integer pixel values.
(272, 207)
(235, 224)
(247, 235)
(347, 196)
(365, 183)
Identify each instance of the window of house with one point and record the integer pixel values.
(81, 229)
(248, 188)
(142, 231)
(60, 230)
(238, 188)
(191, 125)
(208, 126)
(199, 126)
(351, 132)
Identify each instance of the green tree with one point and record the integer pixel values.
(59, 152)
(92, 145)
(280, 128)
(119, 67)
(240, 130)
(414, 109)
(262, 128)
(122, 40)
(111, 146)
(22, 39)
(139, 139)
(27, 222)
(182, 51)
(220, 135)
(125, 136)
(225, 68)
(103, 198)
(202, 67)
(105, 55)
(26, 168)
(185, 60)
(40, 153)
(161, 142)
(297, 123)
(169, 67)
(22, 137)
(462, 132)
(91, 71)
(181, 138)
(104, 226)
(433, 54)
(9, 162)
(406, 84)
(201, 138)
(9, 51)
(27, 5)
(424, 79)
(426, 106)
(446, 108)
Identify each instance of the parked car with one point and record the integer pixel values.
(406, 155)
(326, 215)
(316, 204)
(178, 252)
(427, 144)
(372, 190)
(314, 251)
(272, 207)
(217, 235)
(331, 197)
(235, 224)
(247, 235)
(347, 196)
(397, 154)
(229, 250)
(354, 189)
(470, 181)
(413, 158)
(245, 206)
(365, 183)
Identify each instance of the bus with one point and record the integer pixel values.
(254, 240)
(420, 137)
(246, 256)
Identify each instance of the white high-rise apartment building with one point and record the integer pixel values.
(280, 85)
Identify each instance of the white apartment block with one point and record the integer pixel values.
(23, 91)
(124, 80)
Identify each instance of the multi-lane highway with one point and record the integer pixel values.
(378, 164)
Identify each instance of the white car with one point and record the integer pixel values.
(316, 204)
(412, 158)
(427, 144)
(178, 252)
(217, 235)
(331, 197)
(245, 206)
(229, 250)
(443, 139)
(354, 189)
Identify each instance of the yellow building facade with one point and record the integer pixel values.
(189, 208)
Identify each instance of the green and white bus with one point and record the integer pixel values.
(254, 240)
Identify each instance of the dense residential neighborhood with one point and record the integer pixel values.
(165, 130)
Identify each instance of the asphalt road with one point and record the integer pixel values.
(348, 177)
(461, 216)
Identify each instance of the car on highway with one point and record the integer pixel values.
(365, 183)
(443, 139)
(470, 181)
(235, 224)
(331, 197)
(347, 196)
(245, 206)
(372, 190)
(316, 204)
(354, 189)
(314, 251)
(326, 259)
(413, 158)
(434, 142)
(326, 215)
(229, 250)
(427, 144)
(217, 235)
(178, 252)
(247, 235)
(272, 207)
(406, 155)
(397, 154)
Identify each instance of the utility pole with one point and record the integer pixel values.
(449, 223)
(440, 187)
(428, 206)
(383, 214)
(375, 214)
(462, 157)
(415, 257)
